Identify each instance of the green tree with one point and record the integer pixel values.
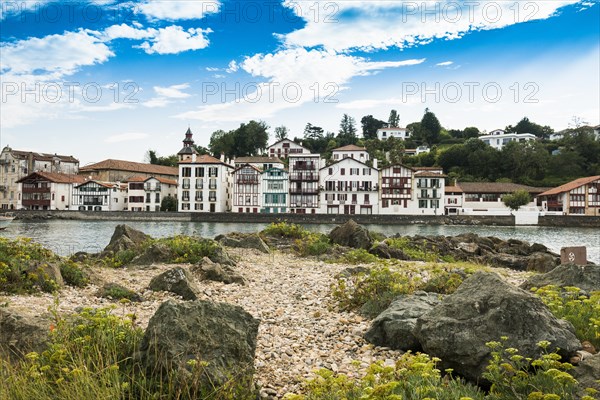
(248, 140)
(394, 119)
(168, 203)
(516, 199)
(281, 132)
(370, 125)
(347, 132)
(471, 132)
(430, 128)
(153, 158)
(526, 126)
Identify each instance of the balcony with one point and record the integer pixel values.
(555, 204)
(304, 191)
(36, 189)
(41, 203)
(149, 188)
(212, 187)
(247, 180)
(305, 167)
(2, 188)
(305, 177)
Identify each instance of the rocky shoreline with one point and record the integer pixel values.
(301, 326)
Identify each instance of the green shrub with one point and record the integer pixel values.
(188, 249)
(21, 267)
(411, 377)
(285, 229)
(357, 256)
(91, 357)
(411, 250)
(118, 292)
(515, 377)
(119, 259)
(72, 274)
(582, 310)
(442, 281)
(312, 244)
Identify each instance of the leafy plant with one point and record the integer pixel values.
(415, 251)
(188, 249)
(516, 199)
(312, 244)
(284, 229)
(571, 304)
(357, 256)
(72, 274)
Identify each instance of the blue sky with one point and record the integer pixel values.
(112, 79)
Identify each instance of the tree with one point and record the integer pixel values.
(168, 203)
(347, 133)
(516, 199)
(281, 132)
(526, 126)
(394, 119)
(313, 132)
(430, 128)
(153, 158)
(247, 140)
(370, 125)
(471, 132)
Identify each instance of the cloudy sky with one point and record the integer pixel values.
(112, 79)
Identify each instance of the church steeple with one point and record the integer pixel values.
(188, 147)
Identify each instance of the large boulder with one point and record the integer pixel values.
(383, 250)
(483, 309)
(541, 262)
(177, 281)
(585, 277)
(394, 327)
(44, 272)
(22, 332)
(155, 253)
(351, 234)
(116, 292)
(243, 241)
(125, 238)
(587, 374)
(222, 335)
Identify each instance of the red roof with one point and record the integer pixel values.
(53, 177)
(205, 159)
(567, 187)
(130, 166)
(140, 178)
(350, 147)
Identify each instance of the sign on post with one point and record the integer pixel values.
(573, 255)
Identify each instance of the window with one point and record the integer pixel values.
(422, 203)
(185, 195)
(342, 171)
(212, 196)
(354, 171)
(157, 198)
(366, 171)
(330, 171)
(212, 184)
(186, 172)
(213, 171)
(199, 172)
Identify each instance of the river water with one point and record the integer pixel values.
(66, 237)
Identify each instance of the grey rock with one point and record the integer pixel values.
(351, 234)
(587, 373)
(177, 281)
(541, 262)
(483, 309)
(394, 327)
(125, 238)
(383, 250)
(22, 332)
(220, 256)
(222, 335)
(243, 241)
(155, 253)
(114, 291)
(211, 271)
(46, 271)
(585, 277)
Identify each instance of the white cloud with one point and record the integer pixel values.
(126, 137)
(232, 67)
(166, 95)
(378, 24)
(291, 77)
(173, 40)
(444, 64)
(177, 9)
(212, 69)
(125, 31)
(53, 56)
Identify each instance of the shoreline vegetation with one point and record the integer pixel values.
(292, 314)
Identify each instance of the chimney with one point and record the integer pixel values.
(222, 158)
(375, 163)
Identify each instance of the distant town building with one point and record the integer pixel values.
(484, 198)
(417, 151)
(275, 188)
(578, 197)
(246, 189)
(99, 196)
(350, 151)
(146, 194)
(47, 191)
(204, 184)
(411, 191)
(17, 164)
(283, 148)
(398, 133)
(262, 163)
(120, 171)
(499, 138)
(349, 186)
(304, 182)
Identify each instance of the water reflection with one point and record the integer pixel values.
(68, 237)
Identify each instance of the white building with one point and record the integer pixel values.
(47, 191)
(304, 182)
(350, 151)
(262, 163)
(17, 164)
(246, 189)
(417, 151)
(99, 196)
(411, 191)
(498, 138)
(147, 193)
(283, 148)
(398, 133)
(275, 191)
(204, 184)
(349, 186)
(484, 198)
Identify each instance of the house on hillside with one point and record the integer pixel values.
(499, 138)
(47, 191)
(349, 186)
(398, 133)
(99, 196)
(17, 164)
(578, 197)
(283, 148)
(350, 151)
(484, 198)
